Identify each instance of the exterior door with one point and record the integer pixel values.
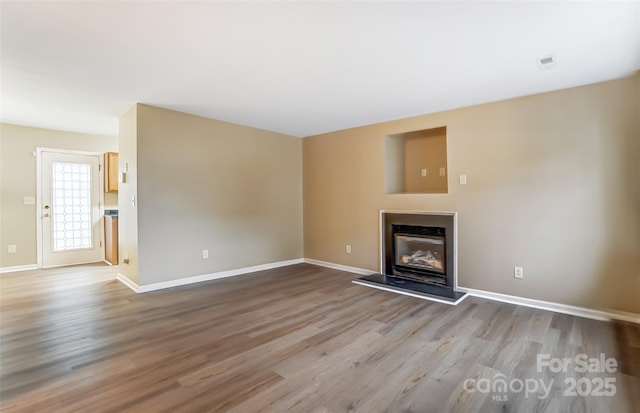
(70, 208)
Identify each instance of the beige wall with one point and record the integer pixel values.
(207, 184)
(394, 164)
(425, 150)
(553, 186)
(18, 179)
(127, 212)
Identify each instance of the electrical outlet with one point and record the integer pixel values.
(11, 249)
(443, 172)
(205, 254)
(424, 172)
(348, 249)
(517, 272)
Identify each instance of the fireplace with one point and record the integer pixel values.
(417, 256)
(419, 247)
(419, 253)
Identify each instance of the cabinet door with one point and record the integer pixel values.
(111, 239)
(111, 172)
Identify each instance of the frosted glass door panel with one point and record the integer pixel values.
(71, 207)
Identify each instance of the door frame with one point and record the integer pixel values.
(39, 234)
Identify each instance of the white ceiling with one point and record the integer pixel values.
(300, 68)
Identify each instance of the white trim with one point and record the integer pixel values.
(124, 280)
(410, 294)
(100, 156)
(18, 268)
(71, 265)
(605, 315)
(623, 316)
(340, 267)
(394, 211)
(204, 277)
(69, 151)
(39, 207)
(381, 241)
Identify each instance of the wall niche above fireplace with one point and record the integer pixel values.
(416, 162)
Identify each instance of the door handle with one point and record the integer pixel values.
(46, 215)
(46, 207)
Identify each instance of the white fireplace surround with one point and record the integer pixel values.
(439, 213)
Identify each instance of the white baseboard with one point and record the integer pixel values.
(124, 280)
(606, 315)
(340, 267)
(204, 277)
(18, 268)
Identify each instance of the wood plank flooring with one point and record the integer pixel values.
(294, 339)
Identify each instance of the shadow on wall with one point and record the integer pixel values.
(627, 338)
(618, 282)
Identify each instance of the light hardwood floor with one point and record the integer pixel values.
(299, 338)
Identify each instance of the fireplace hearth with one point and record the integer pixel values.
(418, 256)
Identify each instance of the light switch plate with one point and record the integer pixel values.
(463, 179)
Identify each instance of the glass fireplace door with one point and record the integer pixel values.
(422, 252)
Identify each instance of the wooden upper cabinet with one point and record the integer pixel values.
(111, 172)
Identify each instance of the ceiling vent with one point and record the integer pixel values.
(547, 62)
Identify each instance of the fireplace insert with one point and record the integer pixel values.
(419, 253)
